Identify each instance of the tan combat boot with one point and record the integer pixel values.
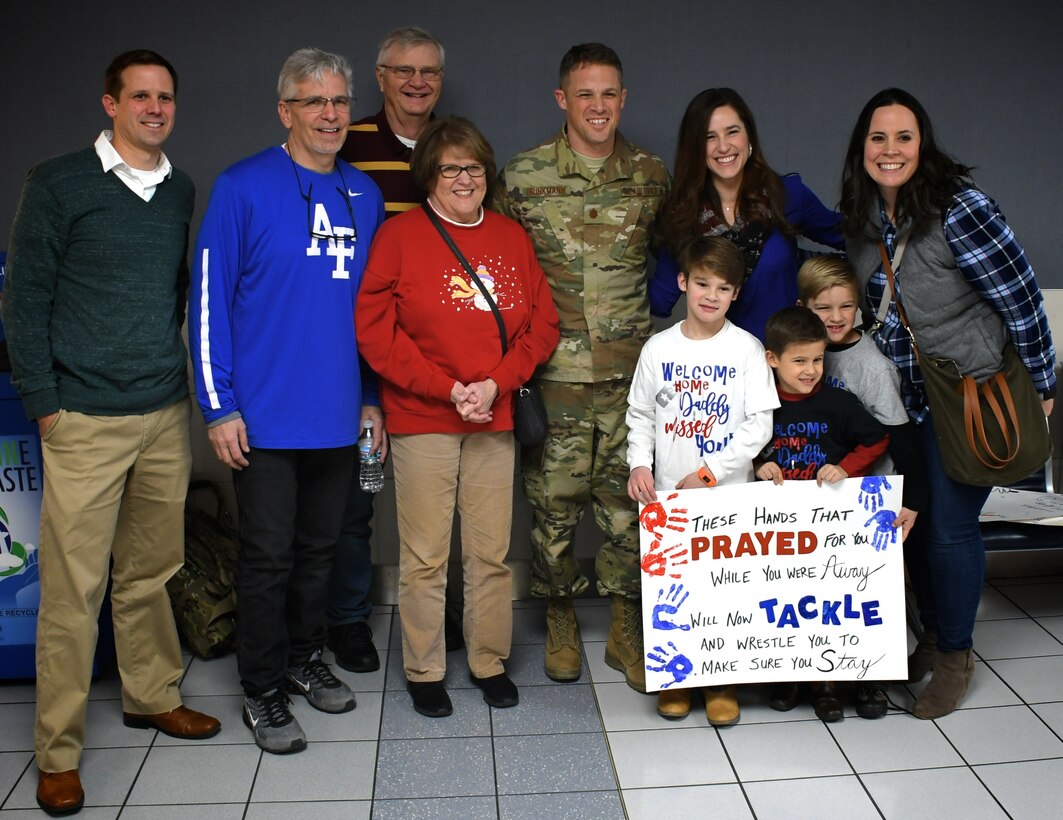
(562, 640)
(623, 651)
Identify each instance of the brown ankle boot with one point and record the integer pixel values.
(673, 704)
(721, 705)
(952, 675)
(623, 651)
(562, 640)
(923, 656)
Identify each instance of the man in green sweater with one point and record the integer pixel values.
(93, 307)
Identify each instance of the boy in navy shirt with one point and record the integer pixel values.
(819, 432)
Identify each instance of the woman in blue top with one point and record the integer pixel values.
(723, 186)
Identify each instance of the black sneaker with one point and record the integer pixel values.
(271, 723)
(353, 645)
(871, 700)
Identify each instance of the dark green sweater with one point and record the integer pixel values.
(95, 291)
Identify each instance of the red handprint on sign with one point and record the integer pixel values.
(653, 518)
(658, 561)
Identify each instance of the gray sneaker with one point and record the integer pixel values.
(324, 691)
(271, 722)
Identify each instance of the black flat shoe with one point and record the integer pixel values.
(430, 698)
(499, 691)
(825, 702)
(353, 647)
(783, 697)
(871, 700)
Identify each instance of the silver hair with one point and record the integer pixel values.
(408, 37)
(311, 64)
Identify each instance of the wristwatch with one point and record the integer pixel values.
(705, 474)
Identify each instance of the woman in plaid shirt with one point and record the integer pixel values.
(967, 289)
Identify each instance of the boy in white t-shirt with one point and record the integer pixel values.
(700, 409)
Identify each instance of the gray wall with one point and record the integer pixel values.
(989, 73)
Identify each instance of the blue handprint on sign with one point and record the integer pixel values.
(670, 606)
(871, 491)
(886, 533)
(671, 661)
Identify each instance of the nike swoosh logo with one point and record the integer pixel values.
(354, 193)
(253, 720)
(305, 687)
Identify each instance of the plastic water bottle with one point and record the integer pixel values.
(370, 470)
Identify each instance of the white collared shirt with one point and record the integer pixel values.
(141, 183)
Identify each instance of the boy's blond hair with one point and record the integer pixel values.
(821, 273)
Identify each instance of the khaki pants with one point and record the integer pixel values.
(432, 472)
(114, 487)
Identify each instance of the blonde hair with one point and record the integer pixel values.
(821, 273)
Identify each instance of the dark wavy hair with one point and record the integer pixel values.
(761, 196)
(923, 197)
(450, 132)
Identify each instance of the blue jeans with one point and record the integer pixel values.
(352, 567)
(945, 553)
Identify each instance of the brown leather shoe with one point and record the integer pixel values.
(673, 704)
(60, 793)
(825, 701)
(181, 722)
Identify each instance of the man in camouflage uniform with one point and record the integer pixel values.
(588, 198)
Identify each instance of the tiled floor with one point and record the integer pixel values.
(589, 749)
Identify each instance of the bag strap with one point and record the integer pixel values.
(973, 424)
(434, 219)
(891, 285)
(898, 254)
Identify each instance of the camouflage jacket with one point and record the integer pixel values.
(591, 233)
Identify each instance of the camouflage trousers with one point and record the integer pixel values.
(584, 458)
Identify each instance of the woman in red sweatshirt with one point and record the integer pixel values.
(428, 330)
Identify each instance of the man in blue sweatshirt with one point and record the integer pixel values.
(277, 266)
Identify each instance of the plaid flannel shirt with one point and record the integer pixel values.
(994, 263)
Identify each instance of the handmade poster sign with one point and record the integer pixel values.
(1006, 504)
(756, 582)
